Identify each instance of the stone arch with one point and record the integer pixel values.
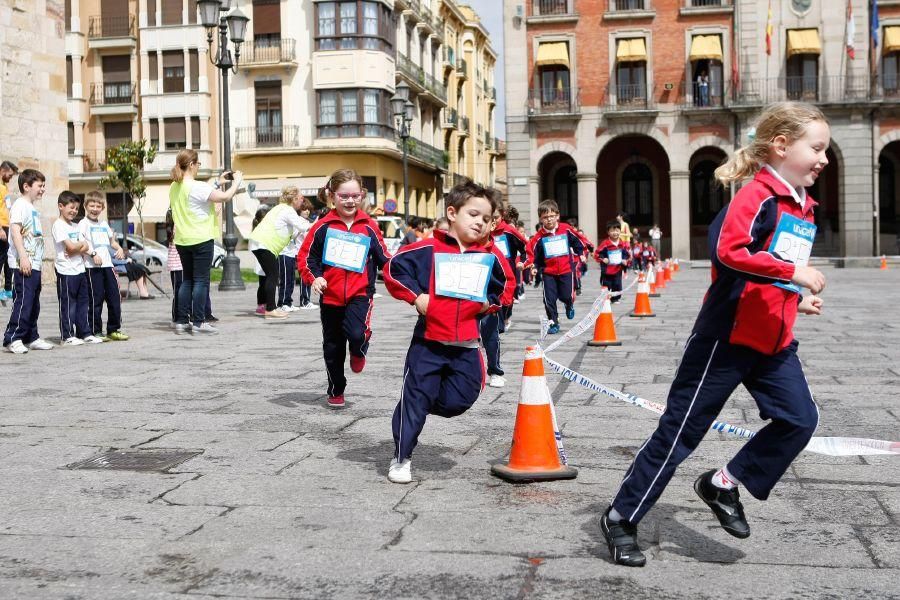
(557, 181)
(706, 196)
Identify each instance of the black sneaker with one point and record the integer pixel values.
(621, 538)
(725, 504)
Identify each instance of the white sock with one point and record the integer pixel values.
(614, 516)
(725, 480)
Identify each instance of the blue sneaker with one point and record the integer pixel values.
(570, 313)
(554, 328)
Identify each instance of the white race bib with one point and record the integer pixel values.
(556, 245)
(346, 250)
(793, 242)
(463, 276)
(502, 244)
(99, 236)
(615, 257)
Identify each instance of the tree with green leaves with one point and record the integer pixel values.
(125, 171)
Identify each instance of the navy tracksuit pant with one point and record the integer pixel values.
(23, 319)
(710, 371)
(103, 286)
(438, 380)
(72, 293)
(343, 328)
(613, 283)
(557, 287)
(491, 327)
(287, 275)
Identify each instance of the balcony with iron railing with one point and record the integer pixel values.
(462, 68)
(491, 94)
(93, 161)
(112, 32)
(436, 89)
(268, 53)
(835, 89)
(546, 8)
(699, 7)
(425, 153)
(266, 138)
(553, 102)
(630, 99)
(449, 59)
(712, 96)
(113, 98)
(628, 9)
(451, 118)
(411, 72)
(464, 126)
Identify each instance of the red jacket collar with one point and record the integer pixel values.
(778, 188)
(444, 238)
(332, 215)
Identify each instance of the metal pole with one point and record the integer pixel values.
(405, 137)
(231, 264)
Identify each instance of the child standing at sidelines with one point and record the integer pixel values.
(103, 283)
(71, 283)
(760, 244)
(339, 259)
(613, 257)
(26, 253)
(550, 253)
(287, 265)
(451, 279)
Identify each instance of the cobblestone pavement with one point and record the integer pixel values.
(288, 499)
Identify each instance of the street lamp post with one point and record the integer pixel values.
(403, 110)
(218, 13)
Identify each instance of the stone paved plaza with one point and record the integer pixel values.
(288, 499)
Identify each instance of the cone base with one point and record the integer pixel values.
(602, 343)
(654, 295)
(633, 314)
(518, 476)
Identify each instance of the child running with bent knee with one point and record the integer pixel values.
(451, 279)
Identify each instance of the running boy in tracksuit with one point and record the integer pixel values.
(613, 256)
(451, 279)
(760, 245)
(338, 259)
(550, 253)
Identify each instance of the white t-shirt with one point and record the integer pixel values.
(25, 214)
(99, 235)
(287, 223)
(655, 233)
(198, 199)
(67, 264)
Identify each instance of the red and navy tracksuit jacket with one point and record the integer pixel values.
(492, 325)
(444, 371)
(743, 335)
(557, 272)
(611, 275)
(346, 304)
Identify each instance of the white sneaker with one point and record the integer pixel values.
(400, 472)
(204, 328)
(376, 295)
(73, 341)
(40, 344)
(309, 306)
(516, 300)
(17, 347)
(508, 325)
(521, 297)
(285, 308)
(497, 381)
(93, 339)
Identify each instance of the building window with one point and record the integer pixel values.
(266, 23)
(195, 133)
(69, 77)
(354, 113)
(269, 130)
(352, 25)
(707, 196)
(153, 67)
(116, 133)
(172, 12)
(890, 73)
(192, 12)
(615, 5)
(154, 132)
(70, 129)
(631, 83)
(194, 58)
(553, 75)
(151, 13)
(173, 72)
(803, 77)
(176, 134)
(706, 70)
(637, 194)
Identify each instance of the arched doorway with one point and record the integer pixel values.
(888, 198)
(707, 197)
(827, 192)
(633, 177)
(558, 181)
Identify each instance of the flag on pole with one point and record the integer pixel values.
(851, 31)
(875, 24)
(769, 30)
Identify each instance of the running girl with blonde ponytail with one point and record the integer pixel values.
(760, 245)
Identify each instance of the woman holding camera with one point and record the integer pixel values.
(193, 210)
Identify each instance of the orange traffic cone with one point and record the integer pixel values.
(651, 282)
(667, 271)
(883, 266)
(642, 300)
(660, 277)
(534, 455)
(604, 328)
(676, 265)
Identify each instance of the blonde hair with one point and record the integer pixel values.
(94, 196)
(788, 119)
(183, 161)
(337, 179)
(289, 193)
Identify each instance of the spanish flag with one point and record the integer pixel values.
(769, 31)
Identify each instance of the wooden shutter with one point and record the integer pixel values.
(266, 17)
(117, 69)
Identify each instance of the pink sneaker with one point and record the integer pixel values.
(357, 363)
(336, 401)
(260, 309)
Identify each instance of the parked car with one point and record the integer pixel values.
(392, 231)
(157, 254)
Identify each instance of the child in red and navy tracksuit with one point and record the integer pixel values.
(339, 258)
(760, 245)
(613, 256)
(550, 252)
(451, 279)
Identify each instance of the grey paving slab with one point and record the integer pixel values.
(289, 499)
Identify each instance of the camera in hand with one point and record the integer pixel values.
(229, 176)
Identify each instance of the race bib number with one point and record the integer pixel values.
(502, 244)
(793, 242)
(463, 276)
(73, 236)
(615, 257)
(346, 250)
(36, 223)
(556, 245)
(99, 236)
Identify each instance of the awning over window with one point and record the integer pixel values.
(632, 50)
(803, 41)
(553, 53)
(891, 39)
(707, 47)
